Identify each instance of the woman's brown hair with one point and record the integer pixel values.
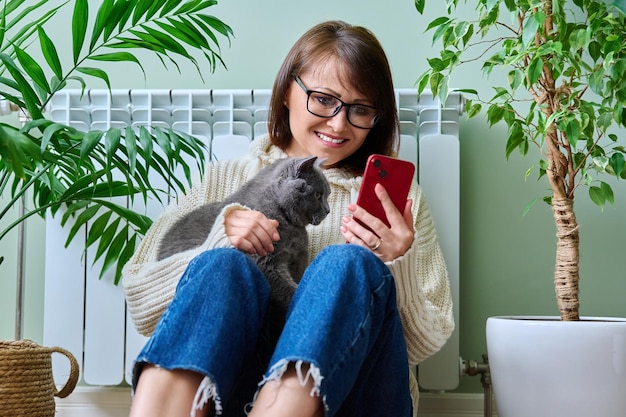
(365, 64)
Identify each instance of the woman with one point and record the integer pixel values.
(363, 313)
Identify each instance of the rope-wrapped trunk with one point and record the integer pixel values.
(566, 274)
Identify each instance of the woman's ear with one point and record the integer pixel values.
(286, 98)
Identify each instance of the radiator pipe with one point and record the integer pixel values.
(19, 296)
(6, 108)
(472, 368)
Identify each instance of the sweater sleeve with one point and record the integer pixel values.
(423, 288)
(149, 284)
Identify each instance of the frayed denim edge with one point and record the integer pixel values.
(206, 391)
(278, 369)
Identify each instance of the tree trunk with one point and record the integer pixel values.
(566, 274)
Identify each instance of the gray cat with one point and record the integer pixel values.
(293, 191)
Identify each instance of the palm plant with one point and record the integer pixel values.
(565, 61)
(64, 171)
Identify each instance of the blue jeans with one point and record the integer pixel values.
(343, 322)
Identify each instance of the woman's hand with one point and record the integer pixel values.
(386, 242)
(251, 232)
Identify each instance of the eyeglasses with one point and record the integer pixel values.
(327, 106)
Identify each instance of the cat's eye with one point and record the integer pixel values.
(318, 196)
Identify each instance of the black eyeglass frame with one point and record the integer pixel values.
(343, 104)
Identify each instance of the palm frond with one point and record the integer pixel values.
(83, 174)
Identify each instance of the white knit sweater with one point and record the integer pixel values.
(423, 292)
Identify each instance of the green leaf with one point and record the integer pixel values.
(419, 5)
(111, 144)
(124, 257)
(118, 57)
(80, 19)
(572, 130)
(217, 24)
(608, 192)
(50, 53)
(130, 139)
(186, 32)
(535, 69)
(89, 142)
(204, 28)
(31, 100)
(530, 29)
(106, 238)
(617, 163)
(516, 78)
(168, 7)
(472, 109)
(94, 190)
(443, 89)
(596, 80)
(164, 143)
(495, 113)
(141, 222)
(96, 72)
(32, 69)
(49, 132)
(97, 228)
(114, 250)
(141, 7)
(515, 140)
(437, 64)
(18, 151)
(530, 204)
(438, 22)
(490, 4)
(146, 143)
(422, 82)
(80, 221)
(167, 42)
(579, 39)
(595, 50)
(154, 8)
(121, 12)
(435, 80)
(597, 196)
(102, 21)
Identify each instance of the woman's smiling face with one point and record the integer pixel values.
(332, 138)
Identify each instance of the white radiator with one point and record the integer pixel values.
(87, 316)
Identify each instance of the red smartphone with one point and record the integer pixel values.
(393, 174)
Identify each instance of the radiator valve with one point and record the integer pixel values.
(473, 368)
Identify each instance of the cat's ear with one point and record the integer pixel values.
(306, 164)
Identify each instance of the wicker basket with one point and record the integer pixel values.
(26, 384)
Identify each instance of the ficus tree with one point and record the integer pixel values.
(76, 174)
(564, 93)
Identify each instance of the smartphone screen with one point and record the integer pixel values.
(394, 174)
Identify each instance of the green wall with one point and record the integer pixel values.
(506, 259)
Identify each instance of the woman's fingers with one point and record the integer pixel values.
(388, 242)
(251, 232)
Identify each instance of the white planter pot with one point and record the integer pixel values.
(542, 367)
